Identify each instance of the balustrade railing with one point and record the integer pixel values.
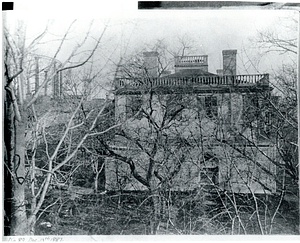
(191, 81)
(187, 60)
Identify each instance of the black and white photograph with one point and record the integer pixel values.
(171, 119)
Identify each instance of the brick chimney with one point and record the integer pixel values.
(229, 62)
(151, 63)
(220, 72)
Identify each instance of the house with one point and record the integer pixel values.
(192, 128)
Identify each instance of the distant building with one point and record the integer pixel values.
(60, 84)
(226, 114)
(41, 68)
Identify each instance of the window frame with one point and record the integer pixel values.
(173, 102)
(133, 106)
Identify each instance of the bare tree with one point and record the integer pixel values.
(285, 84)
(151, 160)
(235, 132)
(17, 104)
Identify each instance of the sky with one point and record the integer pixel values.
(212, 31)
(130, 30)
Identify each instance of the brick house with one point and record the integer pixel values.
(216, 132)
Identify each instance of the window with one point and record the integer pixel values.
(250, 108)
(133, 106)
(211, 106)
(209, 176)
(267, 118)
(174, 106)
(209, 173)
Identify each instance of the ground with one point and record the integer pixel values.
(183, 213)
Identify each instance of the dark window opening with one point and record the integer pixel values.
(174, 107)
(133, 106)
(258, 114)
(211, 106)
(209, 176)
(265, 123)
(250, 108)
(200, 106)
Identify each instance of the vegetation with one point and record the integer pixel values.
(32, 122)
(129, 213)
(58, 149)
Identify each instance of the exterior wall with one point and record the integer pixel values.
(235, 172)
(212, 114)
(246, 175)
(118, 175)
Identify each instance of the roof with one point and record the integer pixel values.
(190, 73)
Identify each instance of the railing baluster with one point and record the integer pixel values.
(200, 80)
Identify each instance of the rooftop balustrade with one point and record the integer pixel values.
(188, 60)
(238, 80)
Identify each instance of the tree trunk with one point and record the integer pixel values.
(96, 181)
(32, 217)
(31, 224)
(15, 146)
(9, 154)
(155, 218)
(156, 211)
(19, 218)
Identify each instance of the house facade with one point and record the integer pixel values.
(192, 128)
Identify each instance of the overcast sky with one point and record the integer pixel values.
(130, 29)
(211, 30)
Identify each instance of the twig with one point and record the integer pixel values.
(47, 208)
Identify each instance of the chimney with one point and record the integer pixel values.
(220, 72)
(229, 62)
(151, 63)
